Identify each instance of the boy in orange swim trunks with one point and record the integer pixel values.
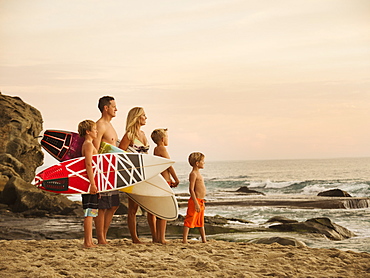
(195, 213)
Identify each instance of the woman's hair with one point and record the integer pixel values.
(195, 157)
(158, 134)
(133, 122)
(84, 126)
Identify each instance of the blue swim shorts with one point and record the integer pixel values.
(91, 212)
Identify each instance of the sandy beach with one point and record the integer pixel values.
(121, 258)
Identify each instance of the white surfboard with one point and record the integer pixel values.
(155, 187)
(163, 207)
(153, 195)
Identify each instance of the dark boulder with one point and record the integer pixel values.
(20, 155)
(323, 226)
(21, 196)
(334, 193)
(281, 219)
(215, 220)
(20, 151)
(246, 190)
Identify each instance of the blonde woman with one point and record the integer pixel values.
(135, 140)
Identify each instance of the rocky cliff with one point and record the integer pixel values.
(20, 152)
(20, 155)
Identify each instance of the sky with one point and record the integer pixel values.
(234, 79)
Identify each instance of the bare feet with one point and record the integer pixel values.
(90, 245)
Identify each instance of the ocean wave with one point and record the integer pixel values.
(355, 189)
(270, 184)
(230, 178)
(309, 187)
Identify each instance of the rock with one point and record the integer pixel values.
(333, 230)
(35, 213)
(20, 155)
(281, 219)
(3, 207)
(123, 206)
(312, 202)
(20, 151)
(22, 196)
(3, 181)
(352, 203)
(334, 193)
(322, 226)
(122, 209)
(75, 209)
(246, 190)
(215, 220)
(281, 240)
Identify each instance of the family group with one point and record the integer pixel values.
(101, 206)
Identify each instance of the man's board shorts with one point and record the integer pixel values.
(193, 218)
(90, 204)
(108, 200)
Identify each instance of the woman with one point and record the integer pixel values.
(135, 140)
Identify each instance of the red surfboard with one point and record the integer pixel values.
(112, 171)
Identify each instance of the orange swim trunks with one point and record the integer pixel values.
(194, 219)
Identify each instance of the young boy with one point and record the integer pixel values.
(160, 137)
(88, 130)
(195, 213)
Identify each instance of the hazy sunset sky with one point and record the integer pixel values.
(237, 80)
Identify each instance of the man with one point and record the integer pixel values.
(108, 201)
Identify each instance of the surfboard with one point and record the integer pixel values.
(154, 194)
(112, 171)
(163, 207)
(108, 148)
(62, 145)
(156, 187)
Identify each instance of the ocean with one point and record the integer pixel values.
(284, 179)
(287, 179)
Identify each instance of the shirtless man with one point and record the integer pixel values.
(108, 201)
